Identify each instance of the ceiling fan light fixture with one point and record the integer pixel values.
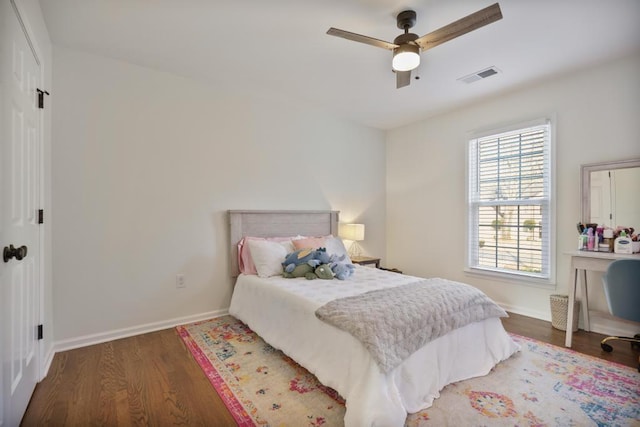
(407, 46)
(406, 57)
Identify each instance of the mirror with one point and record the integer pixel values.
(611, 193)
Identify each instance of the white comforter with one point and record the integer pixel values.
(282, 312)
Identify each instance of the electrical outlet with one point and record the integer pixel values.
(180, 283)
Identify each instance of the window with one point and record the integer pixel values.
(510, 202)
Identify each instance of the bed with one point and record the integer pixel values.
(283, 312)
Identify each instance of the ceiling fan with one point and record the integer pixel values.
(406, 47)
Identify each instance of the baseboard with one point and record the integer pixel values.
(46, 362)
(70, 344)
(603, 323)
(600, 323)
(542, 315)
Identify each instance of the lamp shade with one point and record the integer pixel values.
(353, 232)
(406, 57)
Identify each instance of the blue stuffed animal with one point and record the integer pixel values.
(301, 256)
(303, 261)
(320, 257)
(313, 257)
(342, 270)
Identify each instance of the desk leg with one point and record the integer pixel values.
(572, 301)
(585, 301)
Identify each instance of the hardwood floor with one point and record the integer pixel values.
(152, 379)
(583, 342)
(149, 379)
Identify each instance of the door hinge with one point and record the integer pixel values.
(41, 94)
(40, 332)
(40, 216)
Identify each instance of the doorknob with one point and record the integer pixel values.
(11, 252)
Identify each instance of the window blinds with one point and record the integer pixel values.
(509, 201)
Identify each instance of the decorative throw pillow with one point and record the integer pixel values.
(267, 256)
(309, 242)
(245, 261)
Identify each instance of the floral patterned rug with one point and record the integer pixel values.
(542, 385)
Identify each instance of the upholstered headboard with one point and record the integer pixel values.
(278, 224)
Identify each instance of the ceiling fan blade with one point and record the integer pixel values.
(360, 38)
(461, 26)
(403, 78)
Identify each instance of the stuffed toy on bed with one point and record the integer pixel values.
(296, 264)
(321, 257)
(313, 257)
(299, 271)
(308, 263)
(322, 271)
(299, 257)
(343, 271)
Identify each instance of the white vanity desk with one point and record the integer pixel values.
(586, 261)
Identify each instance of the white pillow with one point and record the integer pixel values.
(335, 246)
(288, 247)
(268, 256)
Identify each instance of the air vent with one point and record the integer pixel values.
(479, 75)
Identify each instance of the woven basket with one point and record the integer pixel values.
(559, 309)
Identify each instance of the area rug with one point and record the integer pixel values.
(542, 385)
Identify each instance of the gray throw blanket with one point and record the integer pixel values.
(393, 323)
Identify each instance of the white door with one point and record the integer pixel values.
(601, 196)
(20, 124)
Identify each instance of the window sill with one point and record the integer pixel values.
(520, 279)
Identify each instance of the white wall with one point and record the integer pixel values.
(597, 114)
(145, 166)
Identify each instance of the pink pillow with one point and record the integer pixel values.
(245, 262)
(309, 242)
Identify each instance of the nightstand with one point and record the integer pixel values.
(365, 260)
(394, 270)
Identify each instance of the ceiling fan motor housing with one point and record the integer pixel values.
(406, 19)
(406, 38)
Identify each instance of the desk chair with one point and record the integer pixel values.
(622, 289)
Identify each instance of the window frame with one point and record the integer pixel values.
(472, 242)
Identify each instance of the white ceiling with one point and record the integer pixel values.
(280, 46)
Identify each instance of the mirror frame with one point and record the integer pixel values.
(585, 183)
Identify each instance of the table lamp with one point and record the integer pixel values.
(355, 233)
